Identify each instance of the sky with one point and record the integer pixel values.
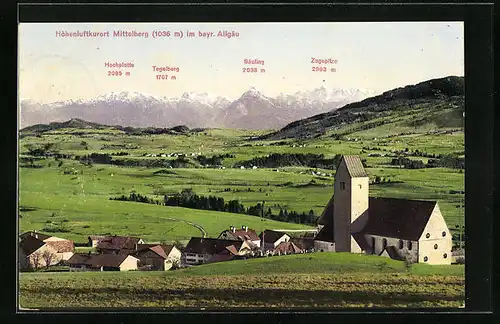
(378, 56)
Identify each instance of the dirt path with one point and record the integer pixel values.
(199, 227)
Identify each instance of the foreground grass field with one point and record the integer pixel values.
(308, 280)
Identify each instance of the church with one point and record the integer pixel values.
(401, 229)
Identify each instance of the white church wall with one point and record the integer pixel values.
(404, 248)
(359, 208)
(435, 244)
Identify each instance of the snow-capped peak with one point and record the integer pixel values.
(252, 92)
(126, 96)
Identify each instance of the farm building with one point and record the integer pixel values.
(94, 239)
(102, 262)
(287, 248)
(157, 256)
(242, 234)
(303, 243)
(64, 248)
(271, 239)
(117, 244)
(34, 253)
(203, 250)
(400, 229)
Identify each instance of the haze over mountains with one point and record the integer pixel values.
(253, 110)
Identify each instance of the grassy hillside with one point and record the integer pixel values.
(318, 263)
(432, 104)
(311, 280)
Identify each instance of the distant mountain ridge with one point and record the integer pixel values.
(252, 110)
(83, 124)
(449, 90)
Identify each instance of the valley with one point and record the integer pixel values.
(411, 142)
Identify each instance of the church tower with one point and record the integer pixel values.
(350, 202)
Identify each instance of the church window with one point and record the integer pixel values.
(426, 259)
(384, 243)
(427, 235)
(400, 244)
(444, 233)
(435, 246)
(408, 245)
(342, 186)
(360, 186)
(445, 255)
(373, 245)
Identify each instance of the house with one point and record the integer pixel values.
(157, 256)
(34, 253)
(287, 248)
(402, 229)
(271, 239)
(94, 239)
(303, 243)
(118, 244)
(63, 247)
(203, 250)
(102, 262)
(242, 234)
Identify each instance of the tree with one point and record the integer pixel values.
(35, 260)
(175, 263)
(47, 146)
(179, 245)
(311, 216)
(48, 257)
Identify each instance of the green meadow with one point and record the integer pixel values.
(74, 197)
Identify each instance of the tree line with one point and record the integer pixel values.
(215, 160)
(105, 158)
(446, 161)
(189, 199)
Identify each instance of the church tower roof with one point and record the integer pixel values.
(354, 166)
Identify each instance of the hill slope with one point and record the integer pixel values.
(438, 101)
(318, 262)
(83, 125)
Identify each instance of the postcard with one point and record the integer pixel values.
(241, 165)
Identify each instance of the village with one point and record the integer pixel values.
(413, 231)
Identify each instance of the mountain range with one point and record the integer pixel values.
(252, 110)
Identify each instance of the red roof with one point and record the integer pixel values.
(288, 247)
(62, 246)
(118, 243)
(242, 235)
